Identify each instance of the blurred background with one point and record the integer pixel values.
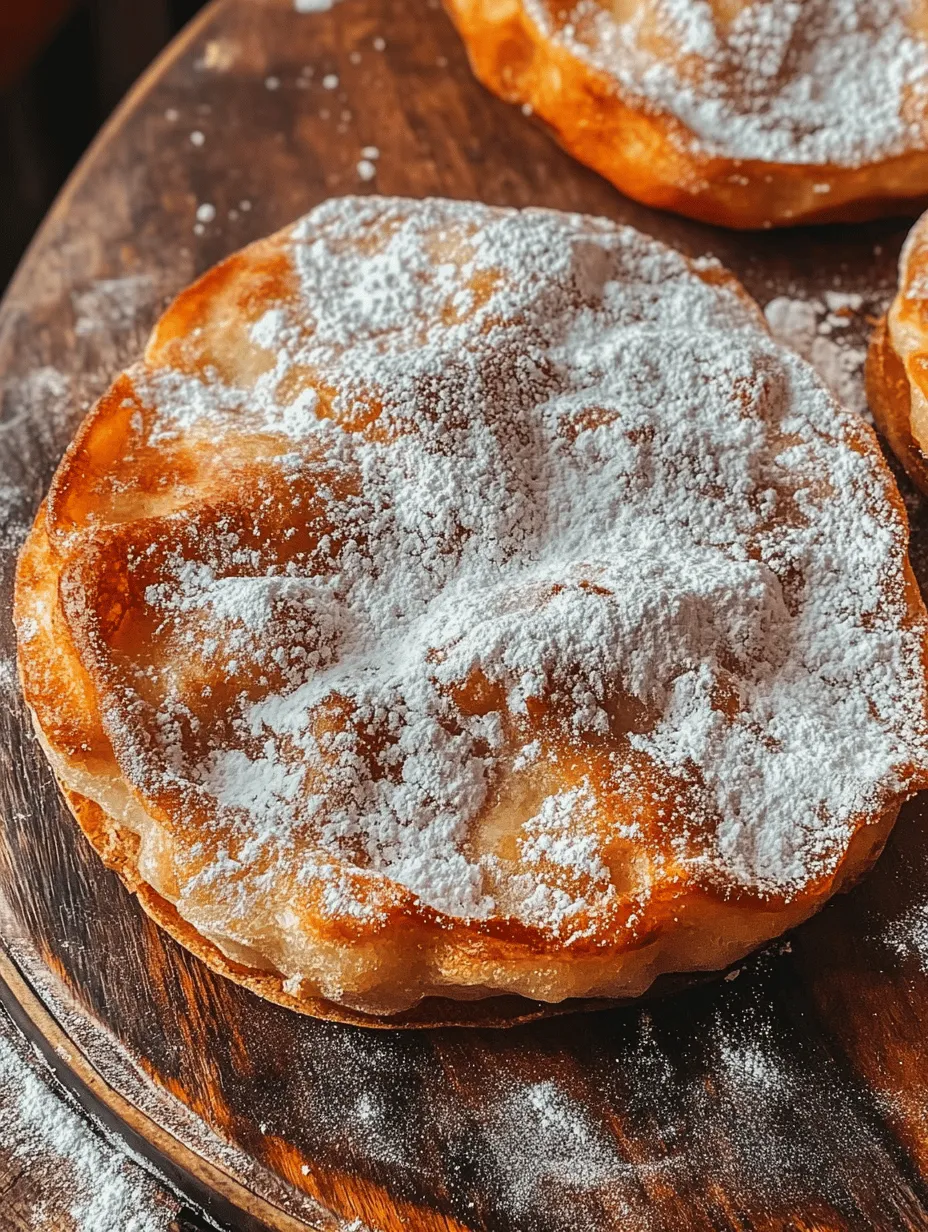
(64, 65)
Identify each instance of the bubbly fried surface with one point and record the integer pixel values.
(737, 112)
(465, 604)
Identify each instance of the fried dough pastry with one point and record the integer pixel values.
(897, 361)
(744, 113)
(459, 611)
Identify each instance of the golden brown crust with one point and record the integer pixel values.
(136, 492)
(897, 361)
(890, 401)
(650, 155)
(117, 847)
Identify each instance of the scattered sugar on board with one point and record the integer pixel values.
(821, 81)
(735, 1092)
(757, 1083)
(541, 1141)
(907, 935)
(43, 404)
(111, 304)
(820, 331)
(731, 1098)
(93, 1188)
(565, 499)
(14, 523)
(553, 1160)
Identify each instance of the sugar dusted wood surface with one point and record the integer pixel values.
(58, 1171)
(794, 1096)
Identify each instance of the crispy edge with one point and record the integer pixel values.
(118, 848)
(890, 398)
(648, 153)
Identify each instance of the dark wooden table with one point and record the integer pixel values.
(794, 1096)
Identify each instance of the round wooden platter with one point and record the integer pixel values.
(794, 1096)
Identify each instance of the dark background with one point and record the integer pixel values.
(64, 65)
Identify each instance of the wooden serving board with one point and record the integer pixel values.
(794, 1096)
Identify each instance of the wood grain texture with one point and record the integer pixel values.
(792, 1097)
(54, 1164)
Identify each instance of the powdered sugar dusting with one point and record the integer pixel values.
(907, 935)
(817, 82)
(559, 471)
(543, 1141)
(818, 329)
(108, 1192)
(111, 304)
